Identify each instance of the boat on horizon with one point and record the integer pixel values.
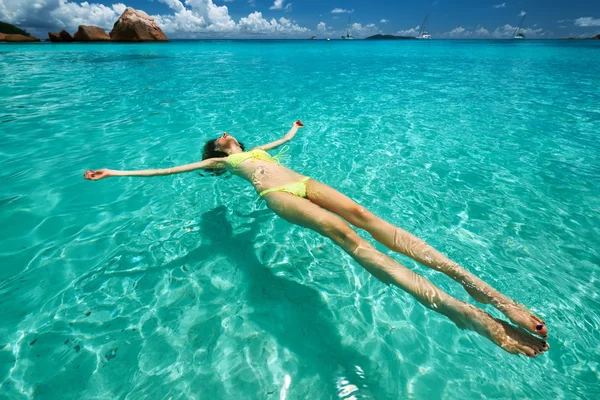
(423, 34)
(348, 36)
(518, 34)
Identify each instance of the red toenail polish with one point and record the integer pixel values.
(539, 327)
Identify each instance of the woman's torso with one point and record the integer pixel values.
(263, 174)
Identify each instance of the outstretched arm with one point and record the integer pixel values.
(286, 138)
(211, 163)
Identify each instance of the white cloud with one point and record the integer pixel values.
(462, 33)
(482, 32)
(74, 14)
(522, 14)
(358, 30)
(255, 23)
(188, 18)
(40, 16)
(507, 31)
(203, 16)
(174, 5)
(341, 11)
(119, 8)
(503, 5)
(252, 3)
(322, 27)
(278, 5)
(409, 32)
(182, 23)
(587, 21)
(503, 32)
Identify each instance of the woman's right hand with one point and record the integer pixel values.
(298, 124)
(92, 175)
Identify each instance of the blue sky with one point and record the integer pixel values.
(324, 18)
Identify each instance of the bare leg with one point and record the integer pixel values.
(304, 213)
(403, 242)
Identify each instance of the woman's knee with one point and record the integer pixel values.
(360, 216)
(342, 234)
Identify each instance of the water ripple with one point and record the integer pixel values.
(186, 287)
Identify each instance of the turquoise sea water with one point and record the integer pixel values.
(186, 287)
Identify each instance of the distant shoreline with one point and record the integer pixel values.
(411, 39)
(390, 37)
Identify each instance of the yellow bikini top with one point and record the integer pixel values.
(257, 154)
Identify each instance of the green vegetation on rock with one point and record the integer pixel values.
(389, 37)
(9, 29)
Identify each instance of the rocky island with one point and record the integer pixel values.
(10, 33)
(90, 33)
(62, 36)
(136, 26)
(597, 37)
(389, 37)
(132, 26)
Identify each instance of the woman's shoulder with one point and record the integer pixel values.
(256, 150)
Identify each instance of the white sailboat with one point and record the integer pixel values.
(518, 34)
(348, 35)
(423, 34)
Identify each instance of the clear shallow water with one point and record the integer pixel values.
(186, 287)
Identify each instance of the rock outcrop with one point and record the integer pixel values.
(136, 26)
(17, 38)
(89, 33)
(62, 36)
(597, 37)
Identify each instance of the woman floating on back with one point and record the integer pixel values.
(312, 204)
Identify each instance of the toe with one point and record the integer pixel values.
(522, 317)
(536, 326)
(541, 347)
(541, 329)
(537, 347)
(529, 352)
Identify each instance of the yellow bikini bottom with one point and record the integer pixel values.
(295, 188)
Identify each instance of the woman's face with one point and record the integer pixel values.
(226, 141)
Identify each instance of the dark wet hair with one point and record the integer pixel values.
(210, 151)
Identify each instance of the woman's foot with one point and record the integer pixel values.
(517, 313)
(511, 339)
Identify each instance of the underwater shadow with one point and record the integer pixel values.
(293, 313)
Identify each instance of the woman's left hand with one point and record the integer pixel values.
(92, 175)
(298, 124)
